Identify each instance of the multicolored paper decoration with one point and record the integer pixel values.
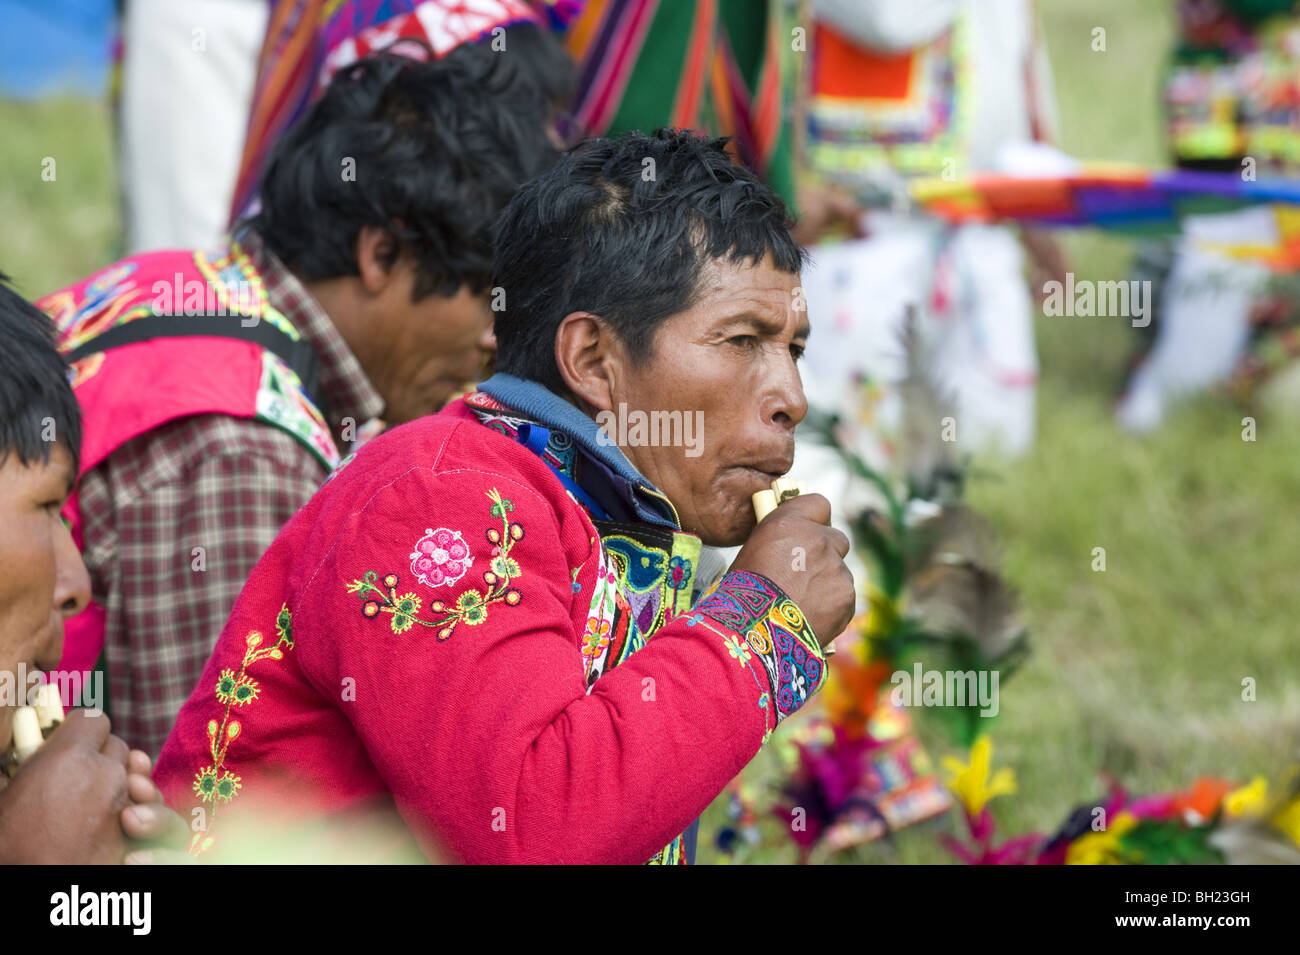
(1211, 821)
(1124, 198)
(858, 783)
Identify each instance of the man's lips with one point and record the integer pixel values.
(774, 467)
(764, 473)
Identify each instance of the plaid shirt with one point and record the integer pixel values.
(213, 481)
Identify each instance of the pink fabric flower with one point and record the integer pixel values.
(440, 558)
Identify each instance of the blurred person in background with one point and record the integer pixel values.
(927, 88)
(187, 72)
(220, 387)
(1232, 105)
(83, 797)
(897, 91)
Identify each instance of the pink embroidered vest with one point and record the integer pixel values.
(131, 388)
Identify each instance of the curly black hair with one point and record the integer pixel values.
(430, 151)
(623, 228)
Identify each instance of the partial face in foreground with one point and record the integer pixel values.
(42, 578)
(729, 364)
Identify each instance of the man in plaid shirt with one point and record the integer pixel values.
(372, 246)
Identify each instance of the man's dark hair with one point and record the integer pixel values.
(437, 148)
(609, 232)
(537, 58)
(33, 385)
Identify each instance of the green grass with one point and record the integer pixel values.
(56, 231)
(1136, 670)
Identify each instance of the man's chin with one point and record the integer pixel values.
(727, 540)
(731, 533)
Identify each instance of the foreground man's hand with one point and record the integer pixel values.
(84, 798)
(64, 805)
(817, 578)
(157, 833)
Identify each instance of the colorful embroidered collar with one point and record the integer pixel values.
(604, 468)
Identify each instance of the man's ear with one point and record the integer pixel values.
(589, 358)
(377, 253)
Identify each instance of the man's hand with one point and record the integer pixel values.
(823, 585)
(158, 835)
(64, 805)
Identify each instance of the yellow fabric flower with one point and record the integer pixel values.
(970, 782)
(1249, 800)
(1101, 848)
(1287, 820)
(881, 616)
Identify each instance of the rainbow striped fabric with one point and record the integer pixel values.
(1127, 199)
(718, 66)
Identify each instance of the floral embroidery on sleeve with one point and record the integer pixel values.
(441, 558)
(216, 784)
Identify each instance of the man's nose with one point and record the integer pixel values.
(785, 404)
(72, 584)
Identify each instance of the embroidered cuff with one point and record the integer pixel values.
(770, 627)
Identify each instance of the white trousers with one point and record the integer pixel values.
(974, 312)
(1203, 322)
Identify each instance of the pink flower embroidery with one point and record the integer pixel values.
(440, 558)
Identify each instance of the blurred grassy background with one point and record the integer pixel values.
(56, 232)
(1136, 671)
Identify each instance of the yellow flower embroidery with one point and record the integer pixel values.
(215, 783)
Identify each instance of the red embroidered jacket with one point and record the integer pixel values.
(432, 625)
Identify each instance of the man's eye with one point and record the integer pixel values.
(797, 351)
(744, 341)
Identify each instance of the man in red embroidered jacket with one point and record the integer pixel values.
(488, 619)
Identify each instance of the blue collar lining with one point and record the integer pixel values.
(551, 411)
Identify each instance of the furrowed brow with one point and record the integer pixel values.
(764, 326)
